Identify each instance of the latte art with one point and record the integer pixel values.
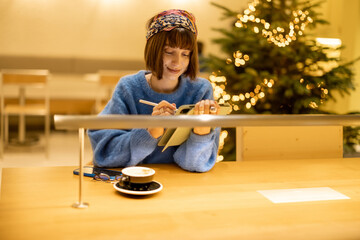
(138, 171)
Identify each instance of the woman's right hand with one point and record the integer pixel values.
(163, 108)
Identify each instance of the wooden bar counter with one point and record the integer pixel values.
(220, 204)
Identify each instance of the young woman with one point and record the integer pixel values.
(171, 58)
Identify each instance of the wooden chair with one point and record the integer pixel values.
(107, 79)
(22, 80)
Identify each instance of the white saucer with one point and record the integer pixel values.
(158, 188)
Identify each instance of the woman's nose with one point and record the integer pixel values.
(176, 59)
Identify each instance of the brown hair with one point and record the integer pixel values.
(178, 37)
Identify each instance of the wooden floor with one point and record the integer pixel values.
(64, 151)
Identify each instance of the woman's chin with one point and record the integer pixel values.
(172, 75)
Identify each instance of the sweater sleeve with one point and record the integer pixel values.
(121, 148)
(199, 153)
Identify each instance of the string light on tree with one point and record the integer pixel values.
(279, 36)
(247, 99)
(239, 59)
(316, 87)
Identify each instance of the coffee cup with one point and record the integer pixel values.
(138, 178)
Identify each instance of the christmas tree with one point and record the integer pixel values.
(271, 65)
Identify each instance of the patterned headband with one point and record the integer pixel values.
(170, 19)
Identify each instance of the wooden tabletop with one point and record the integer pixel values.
(220, 204)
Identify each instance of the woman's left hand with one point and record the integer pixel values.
(205, 107)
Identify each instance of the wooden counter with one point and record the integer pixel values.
(221, 204)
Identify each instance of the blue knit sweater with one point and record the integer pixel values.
(122, 148)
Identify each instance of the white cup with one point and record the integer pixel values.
(136, 175)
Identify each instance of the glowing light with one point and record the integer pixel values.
(238, 24)
(235, 98)
(313, 105)
(214, 78)
(237, 54)
(333, 44)
(239, 59)
(309, 86)
(299, 22)
(226, 97)
(224, 134)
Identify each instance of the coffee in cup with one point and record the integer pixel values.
(137, 178)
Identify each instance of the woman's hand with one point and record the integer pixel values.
(164, 108)
(205, 107)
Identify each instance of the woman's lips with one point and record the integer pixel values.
(174, 70)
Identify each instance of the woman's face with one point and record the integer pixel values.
(175, 62)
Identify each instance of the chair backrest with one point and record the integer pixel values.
(24, 78)
(111, 78)
(107, 80)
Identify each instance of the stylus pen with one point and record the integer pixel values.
(148, 102)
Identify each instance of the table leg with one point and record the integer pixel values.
(21, 136)
(22, 140)
(80, 203)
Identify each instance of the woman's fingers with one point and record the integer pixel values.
(206, 107)
(214, 108)
(164, 108)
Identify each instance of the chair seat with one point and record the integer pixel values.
(24, 79)
(30, 109)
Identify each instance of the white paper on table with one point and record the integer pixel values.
(302, 194)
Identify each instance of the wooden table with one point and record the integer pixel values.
(221, 204)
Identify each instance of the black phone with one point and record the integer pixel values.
(89, 171)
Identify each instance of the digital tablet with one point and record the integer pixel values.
(176, 136)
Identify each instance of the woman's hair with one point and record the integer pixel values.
(177, 37)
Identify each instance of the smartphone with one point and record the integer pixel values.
(89, 171)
